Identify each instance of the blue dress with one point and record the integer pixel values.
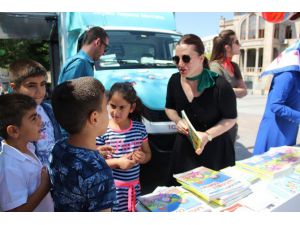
(280, 122)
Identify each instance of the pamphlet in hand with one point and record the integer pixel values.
(193, 135)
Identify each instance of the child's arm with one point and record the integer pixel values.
(106, 151)
(36, 197)
(125, 162)
(143, 155)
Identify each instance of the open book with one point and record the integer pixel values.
(193, 135)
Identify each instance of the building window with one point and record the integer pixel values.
(288, 32)
(261, 29)
(275, 53)
(252, 27)
(243, 30)
(276, 31)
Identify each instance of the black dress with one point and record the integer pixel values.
(214, 104)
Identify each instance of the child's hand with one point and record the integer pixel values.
(45, 179)
(106, 151)
(126, 162)
(139, 156)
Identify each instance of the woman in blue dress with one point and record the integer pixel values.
(280, 122)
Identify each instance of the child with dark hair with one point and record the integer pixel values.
(30, 77)
(81, 179)
(24, 182)
(128, 136)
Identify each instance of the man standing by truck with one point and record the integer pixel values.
(94, 45)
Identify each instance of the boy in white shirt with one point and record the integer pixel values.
(24, 182)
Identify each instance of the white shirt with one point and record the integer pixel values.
(20, 176)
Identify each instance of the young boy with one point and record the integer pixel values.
(24, 182)
(30, 77)
(81, 179)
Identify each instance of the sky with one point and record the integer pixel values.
(200, 23)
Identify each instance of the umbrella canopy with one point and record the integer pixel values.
(280, 17)
(288, 60)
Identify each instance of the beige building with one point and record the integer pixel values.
(261, 42)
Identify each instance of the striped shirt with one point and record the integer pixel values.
(125, 142)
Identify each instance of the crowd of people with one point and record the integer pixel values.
(83, 151)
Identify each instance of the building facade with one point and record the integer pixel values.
(261, 42)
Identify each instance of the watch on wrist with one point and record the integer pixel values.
(209, 137)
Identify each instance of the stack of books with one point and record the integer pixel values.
(272, 164)
(173, 199)
(213, 185)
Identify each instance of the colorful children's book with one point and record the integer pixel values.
(193, 135)
(208, 184)
(173, 199)
(273, 163)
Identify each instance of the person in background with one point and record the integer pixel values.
(128, 136)
(81, 179)
(210, 104)
(30, 77)
(280, 123)
(24, 182)
(94, 44)
(225, 46)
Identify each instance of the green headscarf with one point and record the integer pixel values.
(205, 79)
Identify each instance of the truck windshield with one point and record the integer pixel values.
(138, 49)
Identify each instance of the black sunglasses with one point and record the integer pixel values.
(106, 47)
(184, 58)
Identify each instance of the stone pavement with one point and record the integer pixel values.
(250, 111)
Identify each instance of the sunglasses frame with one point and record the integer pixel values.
(185, 58)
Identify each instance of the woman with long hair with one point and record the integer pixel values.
(225, 46)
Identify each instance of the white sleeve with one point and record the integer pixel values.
(13, 188)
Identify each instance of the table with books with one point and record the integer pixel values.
(266, 182)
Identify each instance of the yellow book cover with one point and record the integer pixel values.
(193, 135)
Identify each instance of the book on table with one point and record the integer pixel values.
(208, 184)
(193, 134)
(173, 199)
(273, 163)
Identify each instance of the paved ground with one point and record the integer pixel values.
(250, 111)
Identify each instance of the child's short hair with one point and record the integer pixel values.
(24, 68)
(73, 101)
(12, 110)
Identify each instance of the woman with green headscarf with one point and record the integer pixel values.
(210, 104)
